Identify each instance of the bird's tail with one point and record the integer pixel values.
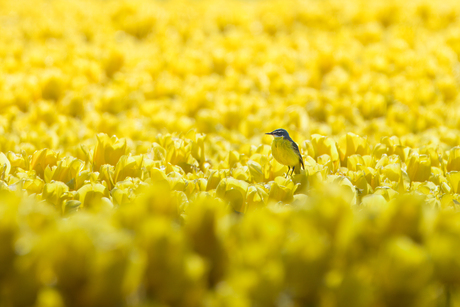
(298, 166)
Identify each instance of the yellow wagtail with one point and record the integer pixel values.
(286, 151)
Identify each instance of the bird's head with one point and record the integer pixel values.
(278, 133)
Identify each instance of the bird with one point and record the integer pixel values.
(286, 151)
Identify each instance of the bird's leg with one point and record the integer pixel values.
(293, 168)
(289, 168)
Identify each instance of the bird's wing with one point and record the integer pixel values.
(296, 149)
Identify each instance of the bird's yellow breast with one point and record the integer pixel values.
(283, 152)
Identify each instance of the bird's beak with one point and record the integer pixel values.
(269, 133)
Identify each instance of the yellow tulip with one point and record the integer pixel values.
(214, 179)
(354, 161)
(128, 166)
(106, 175)
(256, 172)
(49, 297)
(453, 179)
(179, 152)
(372, 176)
(70, 206)
(359, 181)
(5, 166)
(453, 163)
(241, 173)
(310, 150)
(203, 232)
(18, 161)
(120, 197)
(282, 189)
(176, 182)
(108, 150)
(27, 181)
(433, 154)
(352, 144)
(198, 150)
(324, 145)
(347, 189)
(85, 177)
(113, 62)
(393, 172)
(325, 160)
(91, 194)
(403, 257)
(380, 150)
(233, 158)
(179, 269)
(394, 147)
(256, 197)
(53, 192)
(170, 168)
(66, 170)
(386, 192)
(374, 202)
(8, 229)
(53, 85)
(419, 167)
(234, 192)
(276, 169)
(440, 243)
(157, 152)
(157, 175)
(42, 159)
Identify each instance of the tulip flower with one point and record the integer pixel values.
(89, 194)
(108, 151)
(351, 144)
(453, 163)
(42, 159)
(419, 167)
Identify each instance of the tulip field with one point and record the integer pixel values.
(135, 170)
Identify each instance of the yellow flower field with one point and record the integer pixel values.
(134, 168)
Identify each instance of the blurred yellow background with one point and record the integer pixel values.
(134, 169)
